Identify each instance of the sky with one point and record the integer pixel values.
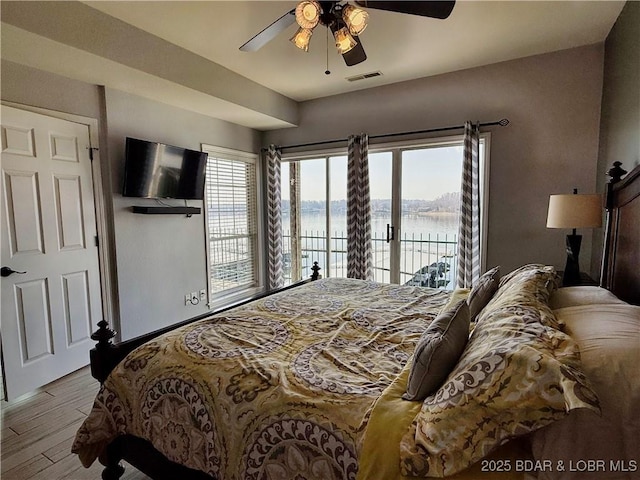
(427, 173)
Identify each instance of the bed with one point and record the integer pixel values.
(349, 379)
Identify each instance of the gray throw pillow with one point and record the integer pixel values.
(482, 292)
(438, 351)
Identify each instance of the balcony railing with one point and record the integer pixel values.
(426, 260)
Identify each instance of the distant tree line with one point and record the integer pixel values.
(447, 202)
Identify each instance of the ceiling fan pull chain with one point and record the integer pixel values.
(327, 71)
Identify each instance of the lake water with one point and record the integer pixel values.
(428, 224)
(425, 240)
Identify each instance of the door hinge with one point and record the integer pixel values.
(96, 240)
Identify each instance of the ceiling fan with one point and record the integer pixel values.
(346, 22)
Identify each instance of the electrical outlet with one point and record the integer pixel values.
(192, 298)
(195, 299)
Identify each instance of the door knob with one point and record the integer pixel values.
(6, 271)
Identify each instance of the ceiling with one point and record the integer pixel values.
(400, 46)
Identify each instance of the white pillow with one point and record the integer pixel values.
(587, 295)
(608, 336)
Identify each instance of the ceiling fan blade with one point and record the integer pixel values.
(435, 9)
(269, 33)
(356, 55)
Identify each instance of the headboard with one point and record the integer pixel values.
(621, 259)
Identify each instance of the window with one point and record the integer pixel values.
(314, 216)
(415, 200)
(232, 227)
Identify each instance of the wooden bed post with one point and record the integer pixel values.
(100, 354)
(113, 470)
(616, 173)
(316, 271)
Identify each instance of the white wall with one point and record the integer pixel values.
(551, 145)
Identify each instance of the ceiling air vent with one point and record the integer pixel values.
(364, 76)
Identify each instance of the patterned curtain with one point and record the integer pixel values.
(275, 275)
(469, 231)
(359, 259)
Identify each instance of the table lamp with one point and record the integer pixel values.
(574, 211)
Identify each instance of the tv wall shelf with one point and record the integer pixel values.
(164, 210)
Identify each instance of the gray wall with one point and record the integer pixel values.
(33, 87)
(158, 258)
(620, 124)
(551, 145)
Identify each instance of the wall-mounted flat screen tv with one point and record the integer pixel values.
(156, 170)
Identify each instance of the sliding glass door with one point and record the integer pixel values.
(314, 216)
(415, 207)
(415, 197)
(428, 215)
(382, 216)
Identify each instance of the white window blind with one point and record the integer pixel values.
(230, 196)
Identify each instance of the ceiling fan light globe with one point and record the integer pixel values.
(356, 19)
(302, 38)
(344, 40)
(308, 14)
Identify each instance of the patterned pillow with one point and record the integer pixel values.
(517, 276)
(482, 291)
(530, 285)
(518, 373)
(438, 351)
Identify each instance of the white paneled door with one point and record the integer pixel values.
(49, 240)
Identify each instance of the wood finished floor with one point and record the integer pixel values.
(38, 430)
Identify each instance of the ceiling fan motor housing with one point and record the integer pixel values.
(347, 39)
(330, 13)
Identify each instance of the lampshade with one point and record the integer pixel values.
(344, 40)
(575, 211)
(308, 14)
(355, 18)
(301, 38)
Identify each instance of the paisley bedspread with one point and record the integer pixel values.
(280, 388)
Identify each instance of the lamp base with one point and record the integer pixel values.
(572, 269)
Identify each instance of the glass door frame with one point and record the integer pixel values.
(397, 149)
(326, 155)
